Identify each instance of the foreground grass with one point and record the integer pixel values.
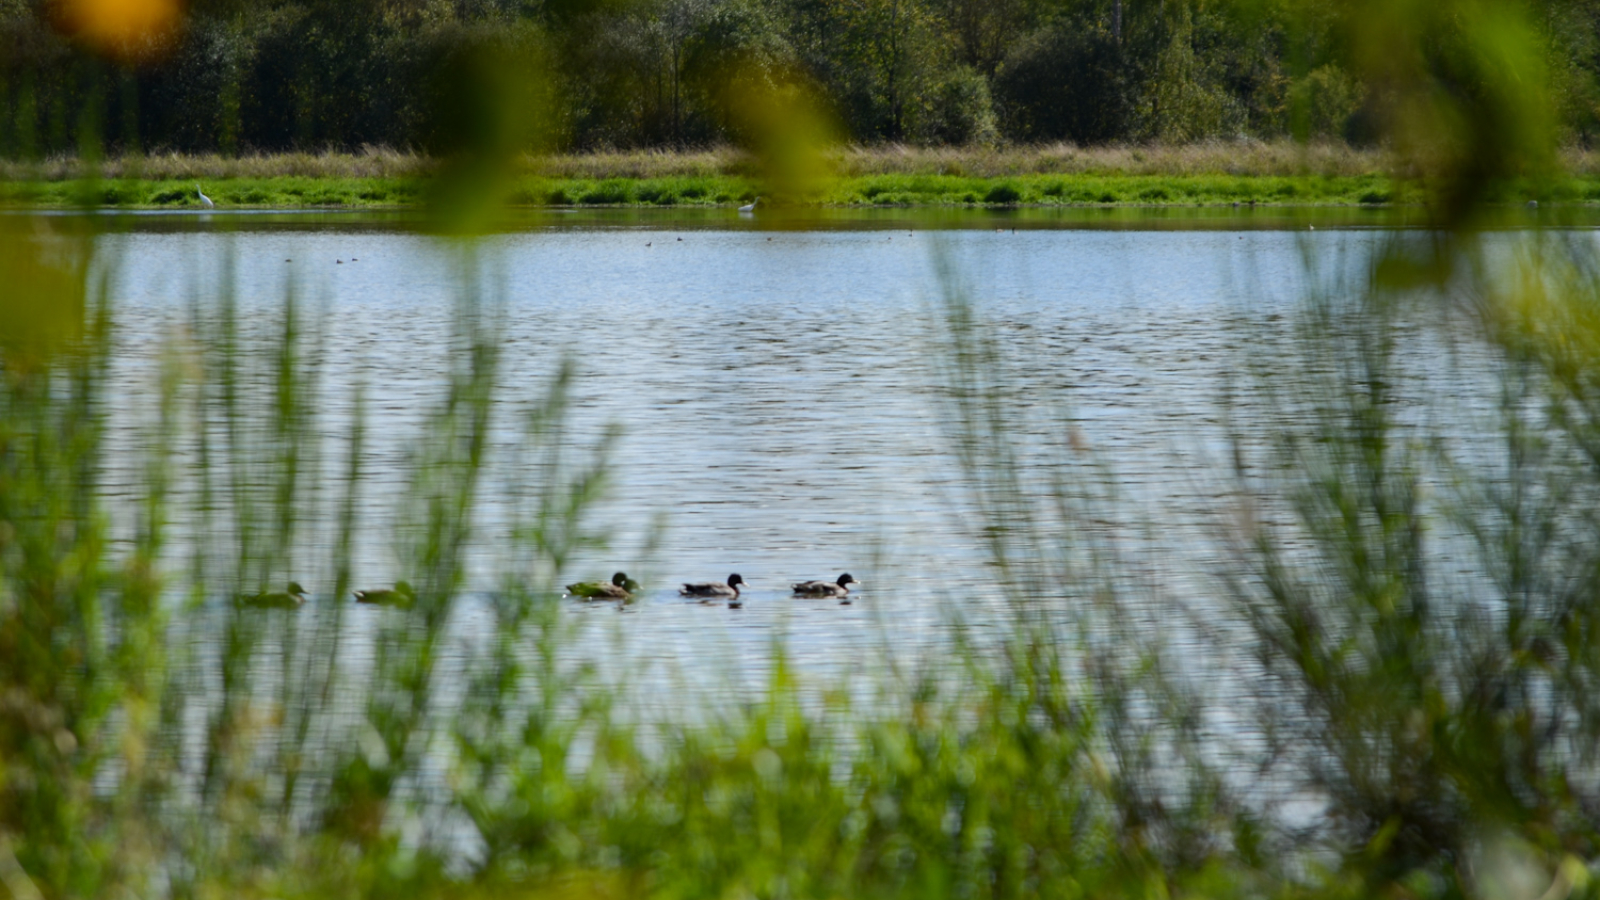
(1058, 175)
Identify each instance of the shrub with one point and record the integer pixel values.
(957, 110)
(1002, 193)
(1065, 82)
(1323, 102)
(609, 191)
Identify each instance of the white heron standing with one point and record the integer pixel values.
(751, 206)
(204, 200)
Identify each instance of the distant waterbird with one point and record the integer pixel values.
(400, 595)
(204, 200)
(288, 599)
(750, 207)
(838, 588)
(729, 589)
(621, 587)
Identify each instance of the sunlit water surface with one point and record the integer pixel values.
(778, 393)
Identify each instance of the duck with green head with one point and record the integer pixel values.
(709, 590)
(729, 588)
(838, 588)
(288, 599)
(401, 595)
(621, 587)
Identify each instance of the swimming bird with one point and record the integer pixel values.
(204, 200)
(751, 206)
(715, 588)
(825, 588)
(289, 599)
(402, 596)
(621, 587)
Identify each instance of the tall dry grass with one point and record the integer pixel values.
(1281, 158)
(1240, 158)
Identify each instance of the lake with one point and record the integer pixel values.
(777, 387)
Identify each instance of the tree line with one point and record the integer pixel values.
(242, 76)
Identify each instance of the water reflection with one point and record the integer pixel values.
(773, 389)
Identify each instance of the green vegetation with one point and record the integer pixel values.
(1282, 174)
(880, 190)
(241, 76)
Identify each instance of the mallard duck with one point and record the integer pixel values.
(714, 588)
(289, 599)
(825, 588)
(621, 587)
(401, 595)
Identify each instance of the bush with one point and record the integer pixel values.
(1065, 83)
(957, 110)
(1002, 193)
(609, 191)
(1323, 102)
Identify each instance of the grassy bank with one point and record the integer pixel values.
(1285, 174)
(887, 189)
(1213, 173)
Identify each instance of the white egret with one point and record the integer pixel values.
(204, 200)
(751, 206)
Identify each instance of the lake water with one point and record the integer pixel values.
(777, 390)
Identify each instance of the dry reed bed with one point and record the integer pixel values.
(373, 162)
(1242, 158)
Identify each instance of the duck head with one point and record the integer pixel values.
(845, 579)
(734, 579)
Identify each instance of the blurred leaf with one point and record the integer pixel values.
(127, 30)
(781, 122)
(42, 308)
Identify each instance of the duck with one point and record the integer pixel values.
(289, 599)
(400, 595)
(838, 588)
(729, 589)
(621, 587)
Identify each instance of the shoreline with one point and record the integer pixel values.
(1213, 174)
(886, 191)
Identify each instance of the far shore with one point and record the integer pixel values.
(1213, 173)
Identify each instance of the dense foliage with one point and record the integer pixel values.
(274, 75)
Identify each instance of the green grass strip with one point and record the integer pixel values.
(713, 190)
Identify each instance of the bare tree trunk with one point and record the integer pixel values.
(1116, 20)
